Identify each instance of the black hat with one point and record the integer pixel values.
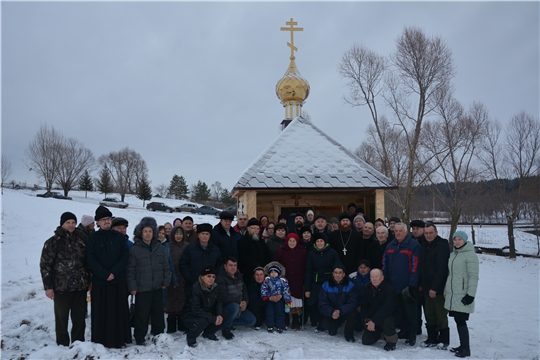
(225, 215)
(280, 226)
(67, 216)
(204, 227)
(319, 216)
(188, 218)
(274, 268)
(102, 212)
(344, 215)
(395, 219)
(418, 223)
(305, 228)
(119, 221)
(334, 220)
(360, 210)
(339, 265)
(351, 204)
(208, 269)
(253, 221)
(320, 235)
(379, 219)
(299, 214)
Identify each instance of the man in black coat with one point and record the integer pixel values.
(417, 230)
(433, 274)
(347, 243)
(225, 237)
(378, 304)
(370, 246)
(197, 255)
(252, 251)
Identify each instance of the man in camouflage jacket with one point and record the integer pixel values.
(66, 278)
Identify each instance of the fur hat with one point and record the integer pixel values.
(67, 216)
(204, 228)
(146, 222)
(461, 234)
(87, 220)
(417, 223)
(208, 269)
(253, 221)
(225, 215)
(119, 221)
(395, 219)
(320, 235)
(344, 215)
(102, 212)
(292, 235)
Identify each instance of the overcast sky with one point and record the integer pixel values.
(191, 86)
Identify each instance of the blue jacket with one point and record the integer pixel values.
(342, 297)
(360, 281)
(400, 263)
(195, 257)
(275, 286)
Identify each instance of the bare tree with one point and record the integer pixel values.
(74, 161)
(6, 171)
(516, 159)
(162, 190)
(216, 190)
(412, 75)
(126, 168)
(44, 154)
(453, 140)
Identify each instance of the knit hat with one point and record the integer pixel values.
(305, 228)
(258, 268)
(359, 217)
(310, 212)
(395, 219)
(274, 268)
(204, 227)
(319, 216)
(344, 215)
(292, 235)
(119, 221)
(146, 222)
(87, 220)
(339, 265)
(102, 212)
(334, 220)
(67, 216)
(280, 226)
(208, 269)
(320, 235)
(461, 234)
(417, 223)
(225, 215)
(253, 221)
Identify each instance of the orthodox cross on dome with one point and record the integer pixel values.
(292, 29)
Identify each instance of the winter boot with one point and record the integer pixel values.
(444, 339)
(391, 342)
(432, 336)
(465, 350)
(295, 322)
(171, 323)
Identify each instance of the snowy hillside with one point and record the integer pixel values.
(504, 326)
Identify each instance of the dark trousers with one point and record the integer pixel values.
(148, 305)
(436, 314)
(196, 325)
(275, 314)
(359, 323)
(74, 302)
(333, 324)
(386, 327)
(315, 314)
(405, 315)
(259, 312)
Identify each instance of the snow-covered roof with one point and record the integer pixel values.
(302, 156)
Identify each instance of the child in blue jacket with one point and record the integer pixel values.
(276, 295)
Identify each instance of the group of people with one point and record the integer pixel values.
(371, 278)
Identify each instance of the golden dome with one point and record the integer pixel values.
(292, 86)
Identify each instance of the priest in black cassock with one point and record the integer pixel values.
(347, 243)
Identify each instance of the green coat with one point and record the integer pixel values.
(462, 279)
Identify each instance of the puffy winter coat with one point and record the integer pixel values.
(227, 245)
(195, 257)
(251, 253)
(273, 244)
(434, 265)
(319, 267)
(275, 286)
(378, 302)
(204, 302)
(462, 279)
(294, 260)
(400, 263)
(232, 290)
(147, 269)
(107, 253)
(360, 281)
(63, 263)
(342, 297)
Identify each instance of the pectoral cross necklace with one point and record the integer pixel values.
(344, 244)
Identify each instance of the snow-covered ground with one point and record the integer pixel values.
(504, 326)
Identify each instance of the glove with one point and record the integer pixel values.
(467, 300)
(413, 292)
(288, 307)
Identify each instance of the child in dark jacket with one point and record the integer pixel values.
(276, 294)
(360, 278)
